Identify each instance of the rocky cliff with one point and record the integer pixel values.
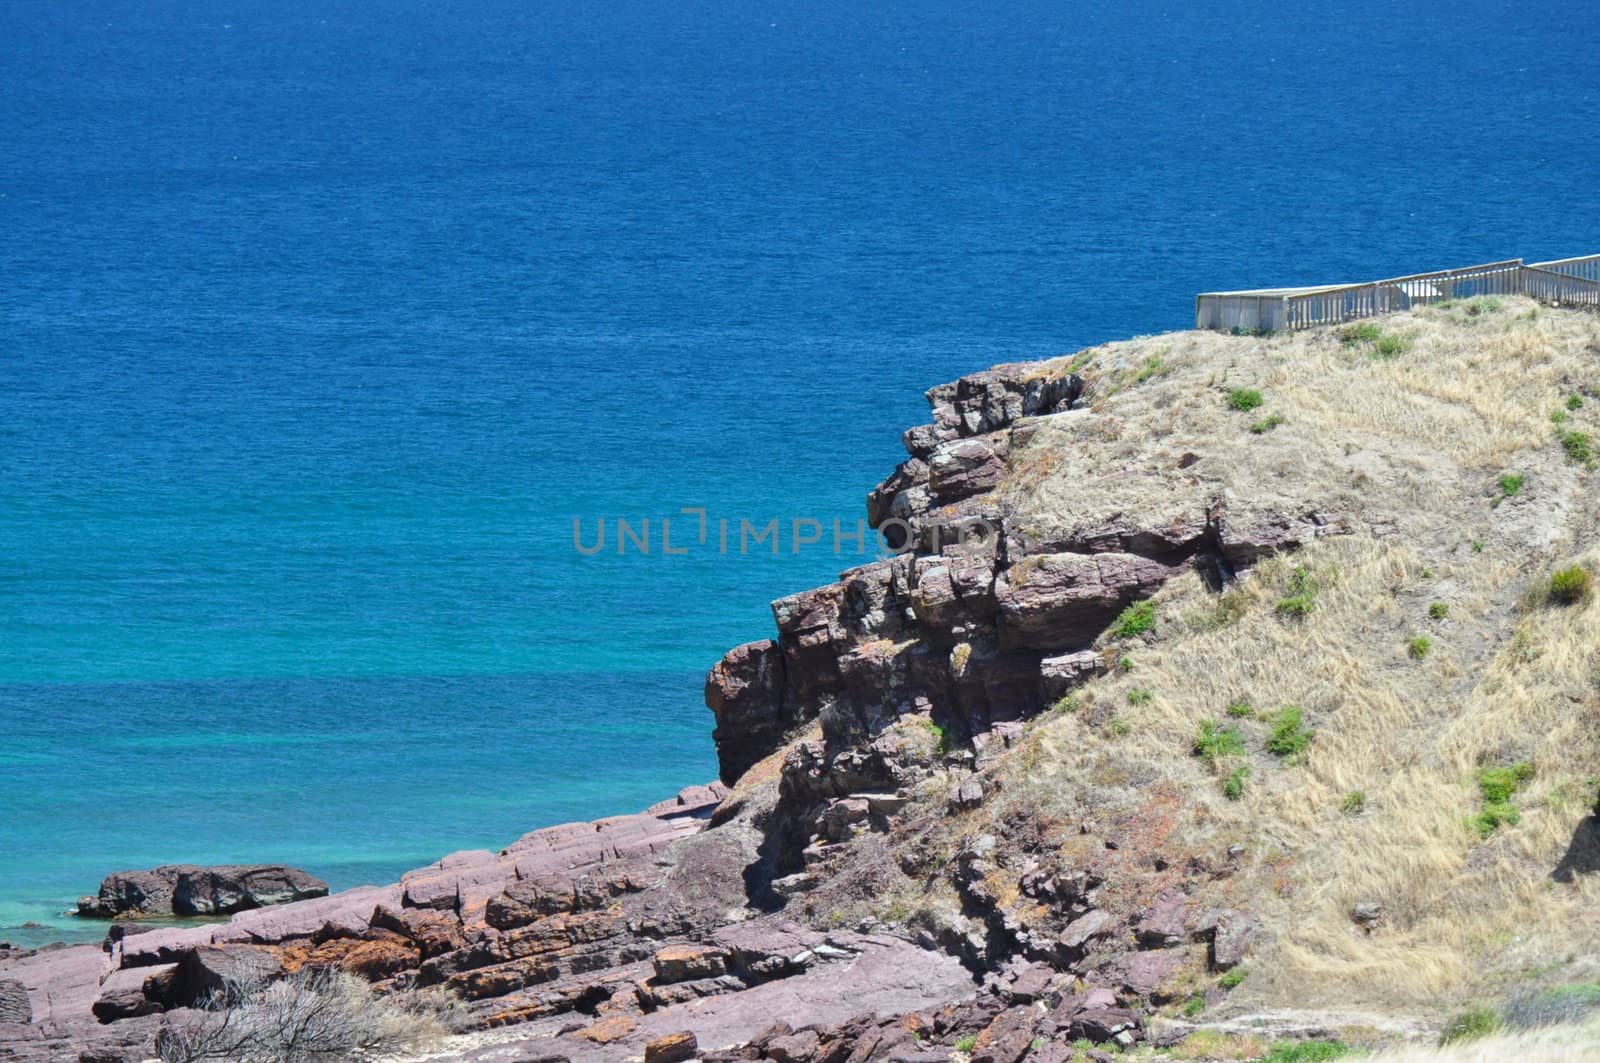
(1218, 681)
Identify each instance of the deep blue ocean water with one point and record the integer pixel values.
(321, 322)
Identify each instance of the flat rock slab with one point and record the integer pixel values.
(889, 977)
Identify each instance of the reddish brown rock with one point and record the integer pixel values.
(683, 963)
(744, 691)
(1061, 601)
(673, 1048)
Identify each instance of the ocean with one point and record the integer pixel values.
(321, 324)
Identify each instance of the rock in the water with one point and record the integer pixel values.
(185, 889)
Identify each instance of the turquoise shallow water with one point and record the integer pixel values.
(320, 324)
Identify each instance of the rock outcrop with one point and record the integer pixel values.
(187, 890)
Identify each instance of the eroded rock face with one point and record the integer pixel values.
(187, 890)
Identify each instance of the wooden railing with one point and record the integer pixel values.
(1565, 282)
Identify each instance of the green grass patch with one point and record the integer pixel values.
(1233, 785)
(1232, 979)
(1244, 399)
(1240, 710)
(1574, 402)
(1139, 697)
(943, 741)
(1578, 446)
(1302, 596)
(1469, 1025)
(1390, 345)
(1267, 424)
(1364, 332)
(1154, 367)
(1510, 486)
(1135, 620)
(1353, 802)
(1438, 611)
(1212, 741)
(1306, 1051)
(1419, 647)
(1289, 735)
(1194, 1005)
(1498, 784)
(1569, 586)
(1494, 816)
(967, 1043)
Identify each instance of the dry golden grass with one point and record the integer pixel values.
(1402, 455)
(1555, 1044)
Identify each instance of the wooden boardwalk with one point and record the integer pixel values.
(1564, 282)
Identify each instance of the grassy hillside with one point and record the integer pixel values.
(1390, 739)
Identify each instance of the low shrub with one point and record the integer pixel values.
(1469, 1025)
(1245, 399)
(1438, 611)
(1510, 486)
(1302, 597)
(312, 1014)
(1212, 742)
(1419, 647)
(1569, 586)
(1232, 978)
(1364, 332)
(1391, 345)
(1578, 446)
(1498, 784)
(1233, 786)
(1135, 620)
(1494, 816)
(1194, 1005)
(1289, 737)
(1139, 697)
(1267, 424)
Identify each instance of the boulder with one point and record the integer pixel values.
(188, 890)
(1059, 675)
(683, 963)
(1162, 924)
(1062, 601)
(965, 467)
(211, 969)
(744, 691)
(672, 1048)
(1084, 929)
(122, 994)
